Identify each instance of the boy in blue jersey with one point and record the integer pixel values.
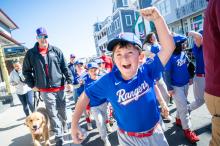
(98, 107)
(129, 88)
(199, 79)
(178, 79)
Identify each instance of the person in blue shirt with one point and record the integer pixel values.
(199, 79)
(98, 107)
(129, 88)
(151, 45)
(178, 78)
(78, 86)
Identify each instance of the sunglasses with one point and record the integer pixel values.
(42, 37)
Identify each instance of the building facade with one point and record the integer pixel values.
(124, 18)
(9, 50)
(182, 15)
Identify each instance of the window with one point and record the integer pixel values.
(116, 26)
(109, 31)
(181, 3)
(164, 7)
(118, 22)
(128, 20)
(125, 2)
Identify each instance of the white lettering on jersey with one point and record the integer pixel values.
(180, 62)
(127, 97)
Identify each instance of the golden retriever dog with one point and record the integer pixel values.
(38, 123)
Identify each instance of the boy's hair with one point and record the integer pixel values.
(15, 61)
(148, 38)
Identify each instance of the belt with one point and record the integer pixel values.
(139, 134)
(200, 75)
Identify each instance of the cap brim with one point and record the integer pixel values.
(112, 43)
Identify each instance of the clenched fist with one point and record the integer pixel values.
(150, 13)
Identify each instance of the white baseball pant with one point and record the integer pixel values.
(198, 89)
(100, 116)
(180, 99)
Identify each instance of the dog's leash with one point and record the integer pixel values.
(37, 99)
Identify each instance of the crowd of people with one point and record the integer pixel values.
(138, 78)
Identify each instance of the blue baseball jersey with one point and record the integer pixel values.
(155, 48)
(177, 66)
(93, 101)
(134, 101)
(198, 53)
(76, 80)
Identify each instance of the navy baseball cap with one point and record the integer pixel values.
(92, 65)
(125, 37)
(179, 38)
(78, 62)
(41, 31)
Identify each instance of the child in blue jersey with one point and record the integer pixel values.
(98, 107)
(199, 79)
(178, 79)
(78, 85)
(129, 88)
(151, 45)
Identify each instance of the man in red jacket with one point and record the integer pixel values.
(107, 60)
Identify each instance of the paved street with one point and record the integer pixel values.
(13, 132)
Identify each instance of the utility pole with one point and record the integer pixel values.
(4, 71)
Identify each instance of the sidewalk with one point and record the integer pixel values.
(13, 132)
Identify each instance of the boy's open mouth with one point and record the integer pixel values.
(126, 66)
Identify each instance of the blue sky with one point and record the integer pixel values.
(69, 23)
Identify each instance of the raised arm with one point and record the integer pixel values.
(77, 135)
(197, 37)
(165, 37)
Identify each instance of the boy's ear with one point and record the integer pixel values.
(141, 56)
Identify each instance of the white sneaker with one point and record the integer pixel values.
(107, 142)
(89, 126)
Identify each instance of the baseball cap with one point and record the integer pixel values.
(179, 38)
(92, 65)
(72, 56)
(41, 31)
(125, 37)
(78, 62)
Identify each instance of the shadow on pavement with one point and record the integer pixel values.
(175, 137)
(10, 127)
(22, 141)
(19, 104)
(204, 129)
(20, 119)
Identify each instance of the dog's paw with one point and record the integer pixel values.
(47, 143)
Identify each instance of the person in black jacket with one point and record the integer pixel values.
(46, 70)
